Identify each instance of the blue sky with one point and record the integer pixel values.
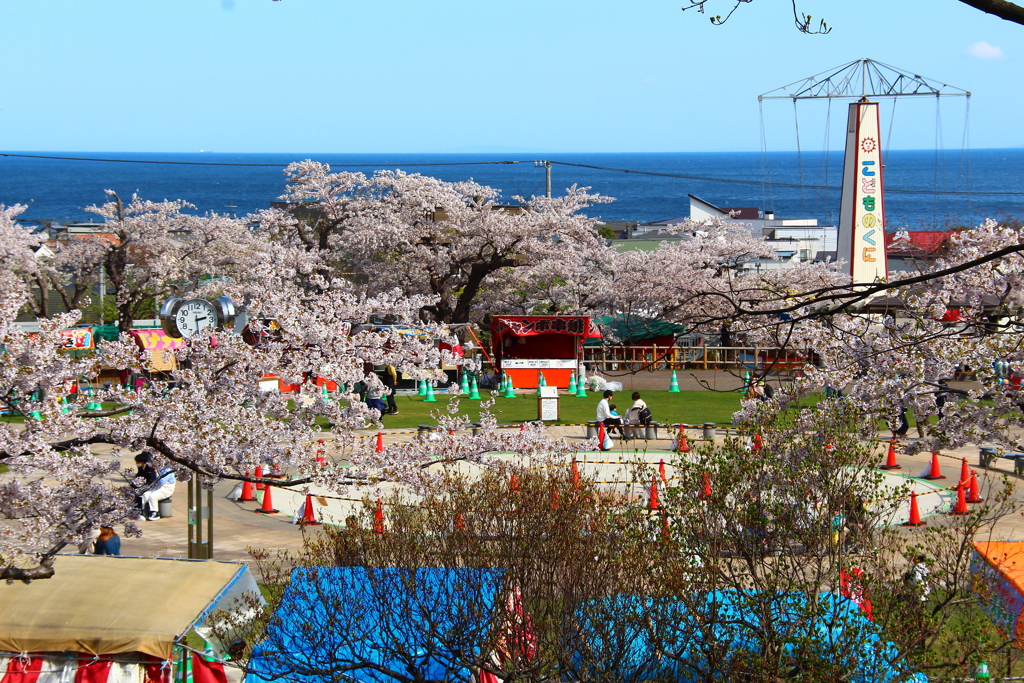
(299, 76)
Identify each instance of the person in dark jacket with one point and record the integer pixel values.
(109, 543)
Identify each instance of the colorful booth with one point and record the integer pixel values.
(998, 569)
(103, 619)
(525, 346)
(159, 347)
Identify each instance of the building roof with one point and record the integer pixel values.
(918, 242)
(743, 213)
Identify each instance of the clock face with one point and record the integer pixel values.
(194, 315)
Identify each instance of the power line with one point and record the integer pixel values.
(659, 174)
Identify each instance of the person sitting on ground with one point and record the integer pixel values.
(108, 543)
(604, 414)
(161, 488)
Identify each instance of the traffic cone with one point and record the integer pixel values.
(705, 491)
(247, 493)
(757, 444)
(464, 384)
(323, 392)
(308, 518)
(960, 508)
(380, 443)
(965, 472)
(572, 383)
(378, 518)
(474, 390)
(429, 398)
(320, 459)
(602, 436)
(268, 507)
(259, 475)
(681, 445)
(35, 415)
(460, 525)
(542, 379)
(974, 495)
(915, 513)
(575, 473)
(890, 458)
(673, 387)
(509, 389)
(661, 471)
(421, 388)
(540, 382)
(581, 388)
(652, 501)
(935, 471)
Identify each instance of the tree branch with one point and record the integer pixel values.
(999, 8)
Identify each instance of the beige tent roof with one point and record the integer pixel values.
(106, 605)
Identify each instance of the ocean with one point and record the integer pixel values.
(946, 189)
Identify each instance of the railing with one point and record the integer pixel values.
(652, 358)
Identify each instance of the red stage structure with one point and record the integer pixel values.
(524, 346)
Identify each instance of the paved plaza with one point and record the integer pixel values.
(237, 526)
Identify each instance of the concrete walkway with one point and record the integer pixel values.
(237, 526)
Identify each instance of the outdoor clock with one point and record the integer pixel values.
(186, 317)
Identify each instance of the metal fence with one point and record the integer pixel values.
(652, 358)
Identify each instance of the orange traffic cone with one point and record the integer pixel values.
(681, 445)
(259, 475)
(652, 503)
(380, 442)
(378, 518)
(308, 518)
(915, 513)
(575, 473)
(705, 491)
(460, 525)
(522, 427)
(890, 458)
(247, 493)
(513, 483)
(935, 471)
(758, 444)
(974, 494)
(965, 472)
(268, 507)
(661, 471)
(601, 436)
(320, 459)
(961, 501)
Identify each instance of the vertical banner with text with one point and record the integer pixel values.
(862, 213)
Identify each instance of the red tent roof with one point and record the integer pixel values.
(918, 242)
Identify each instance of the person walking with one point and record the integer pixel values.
(390, 379)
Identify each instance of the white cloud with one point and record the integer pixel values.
(983, 50)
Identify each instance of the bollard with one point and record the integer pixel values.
(591, 430)
(985, 456)
(651, 431)
(474, 428)
(709, 431)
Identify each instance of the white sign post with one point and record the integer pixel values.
(862, 212)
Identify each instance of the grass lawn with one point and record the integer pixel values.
(688, 406)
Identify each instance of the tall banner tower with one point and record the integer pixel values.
(861, 240)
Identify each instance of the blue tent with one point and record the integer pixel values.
(662, 639)
(396, 620)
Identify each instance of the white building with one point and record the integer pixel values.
(795, 240)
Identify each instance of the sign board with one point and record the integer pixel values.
(539, 363)
(76, 339)
(549, 392)
(862, 212)
(547, 408)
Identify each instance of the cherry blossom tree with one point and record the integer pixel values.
(149, 249)
(452, 241)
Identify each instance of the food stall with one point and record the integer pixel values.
(525, 346)
(159, 347)
(998, 571)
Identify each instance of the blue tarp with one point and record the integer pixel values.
(358, 623)
(662, 639)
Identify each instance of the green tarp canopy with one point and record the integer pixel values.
(631, 330)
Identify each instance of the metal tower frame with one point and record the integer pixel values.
(861, 79)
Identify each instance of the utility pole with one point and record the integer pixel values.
(547, 176)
